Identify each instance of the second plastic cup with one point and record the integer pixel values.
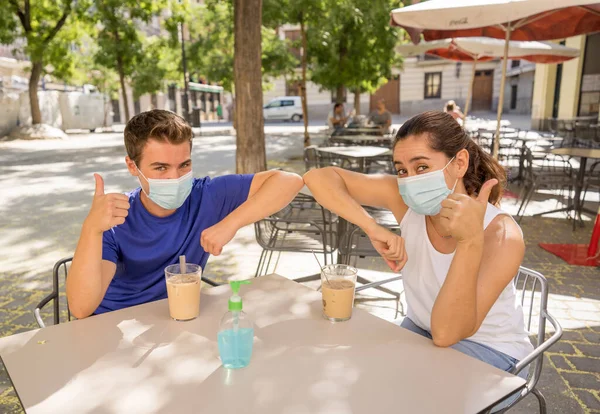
(183, 291)
(338, 282)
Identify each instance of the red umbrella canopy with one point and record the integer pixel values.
(529, 19)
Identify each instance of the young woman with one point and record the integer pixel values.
(458, 252)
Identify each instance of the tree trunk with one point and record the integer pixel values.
(123, 90)
(247, 65)
(357, 102)
(339, 93)
(121, 71)
(34, 79)
(303, 82)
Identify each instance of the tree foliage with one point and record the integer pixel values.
(211, 49)
(353, 44)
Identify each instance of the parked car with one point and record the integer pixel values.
(284, 108)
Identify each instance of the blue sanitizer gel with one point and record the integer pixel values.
(235, 348)
(236, 332)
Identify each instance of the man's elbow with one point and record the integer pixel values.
(78, 307)
(292, 181)
(79, 312)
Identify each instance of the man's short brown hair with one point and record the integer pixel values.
(157, 124)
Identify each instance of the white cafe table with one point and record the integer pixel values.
(357, 152)
(138, 360)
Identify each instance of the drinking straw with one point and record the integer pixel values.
(322, 271)
(182, 267)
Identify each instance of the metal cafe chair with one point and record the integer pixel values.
(532, 290)
(303, 226)
(355, 244)
(62, 268)
(554, 172)
(311, 157)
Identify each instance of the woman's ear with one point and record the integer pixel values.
(462, 162)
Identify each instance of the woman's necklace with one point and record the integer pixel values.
(436, 232)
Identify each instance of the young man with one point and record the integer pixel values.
(381, 117)
(337, 117)
(127, 240)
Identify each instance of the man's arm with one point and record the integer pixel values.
(270, 191)
(89, 275)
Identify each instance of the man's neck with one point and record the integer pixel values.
(152, 208)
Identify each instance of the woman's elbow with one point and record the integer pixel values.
(316, 175)
(447, 337)
(444, 341)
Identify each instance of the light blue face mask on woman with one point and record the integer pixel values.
(424, 193)
(170, 193)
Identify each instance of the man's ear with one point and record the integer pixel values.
(131, 166)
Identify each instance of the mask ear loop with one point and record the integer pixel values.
(141, 186)
(456, 182)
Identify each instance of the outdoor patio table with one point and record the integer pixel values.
(359, 153)
(578, 254)
(138, 360)
(373, 130)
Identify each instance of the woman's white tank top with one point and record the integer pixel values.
(503, 328)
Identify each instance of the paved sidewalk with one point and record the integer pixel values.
(45, 193)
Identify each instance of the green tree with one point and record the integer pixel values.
(353, 46)
(302, 13)
(211, 29)
(51, 31)
(122, 46)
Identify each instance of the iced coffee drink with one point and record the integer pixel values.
(183, 291)
(337, 286)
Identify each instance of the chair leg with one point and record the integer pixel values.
(541, 400)
(260, 264)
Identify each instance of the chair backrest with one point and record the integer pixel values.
(60, 268)
(356, 244)
(311, 157)
(532, 293)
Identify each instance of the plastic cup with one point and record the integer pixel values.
(183, 291)
(338, 282)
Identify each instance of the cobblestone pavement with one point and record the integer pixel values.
(46, 189)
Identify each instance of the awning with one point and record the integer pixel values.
(202, 87)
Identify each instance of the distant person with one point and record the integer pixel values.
(219, 111)
(337, 118)
(381, 117)
(454, 110)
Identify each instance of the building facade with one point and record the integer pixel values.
(571, 89)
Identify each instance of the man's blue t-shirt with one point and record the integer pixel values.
(145, 244)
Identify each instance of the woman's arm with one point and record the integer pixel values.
(485, 262)
(345, 192)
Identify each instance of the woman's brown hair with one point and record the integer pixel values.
(445, 135)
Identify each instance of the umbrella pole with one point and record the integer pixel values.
(470, 94)
(501, 99)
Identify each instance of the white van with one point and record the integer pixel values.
(284, 108)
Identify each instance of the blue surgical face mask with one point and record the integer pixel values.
(169, 194)
(424, 193)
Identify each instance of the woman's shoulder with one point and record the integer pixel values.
(503, 231)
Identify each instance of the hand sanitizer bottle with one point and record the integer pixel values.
(236, 332)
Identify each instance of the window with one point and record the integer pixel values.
(513, 97)
(433, 85)
(287, 103)
(515, 63)
(274, 104)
